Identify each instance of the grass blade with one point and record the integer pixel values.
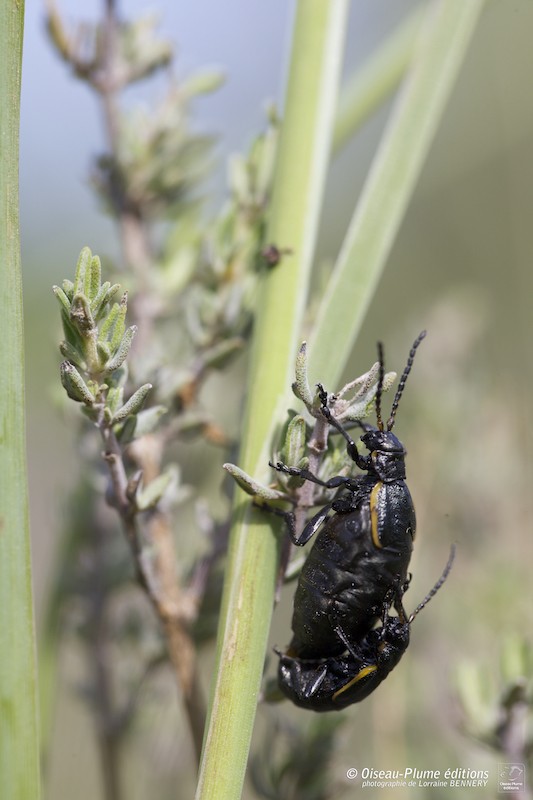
(19, 744)
(437, 59)
(377, 79)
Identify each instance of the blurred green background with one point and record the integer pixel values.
(460, 267)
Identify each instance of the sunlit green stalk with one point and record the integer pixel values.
(436, 61)
(298, 190)
(19, 751)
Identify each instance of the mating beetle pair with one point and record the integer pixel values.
(333, 683)
(355, 571)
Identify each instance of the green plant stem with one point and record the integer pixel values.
(252, 564)
(19, 741)
(376, 80)
(437, 58)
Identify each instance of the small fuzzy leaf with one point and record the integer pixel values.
(91, 283)
(203, 83)
(388, 380)
(253, 487)
(111, 292)
(95, 388)
(68, 288)
(96, 277)
(83, 265)
(125, 433)
(144, 422)
(73, 355)
(134, 404)
(122, 353)
(107, 326)
(149, 496)
(294, 446)
(115, 398)
(119, 326)
(363, 405)
(70, 332)
(74, 385)
(301, 386)
(97, 303)
(104, 352)
(362, 383)
(62, 297)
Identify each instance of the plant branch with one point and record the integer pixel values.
(137, 251)
(109, 737)
(159, 580)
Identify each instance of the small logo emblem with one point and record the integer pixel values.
(511, 778)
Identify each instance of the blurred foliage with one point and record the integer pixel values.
(497, 700)
(298, 763)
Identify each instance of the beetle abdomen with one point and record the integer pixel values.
(346, 577)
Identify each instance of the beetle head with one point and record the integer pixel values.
(384, 441)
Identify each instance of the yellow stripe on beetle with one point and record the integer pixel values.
(363, 673)
(374, 519)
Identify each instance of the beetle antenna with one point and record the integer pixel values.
(379, 391)
(437, 586)
(403, 381)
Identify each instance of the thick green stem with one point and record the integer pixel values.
(19, 743)
(298, 190)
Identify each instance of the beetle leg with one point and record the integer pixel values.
(290, 521)
(333, 483)
(311, 527)
(296, 472)
(346, 642)
(332, 616)
(312, 685)
(394, 597)
(303, 681)
(287, 516)
(398, 605)
(363, 462)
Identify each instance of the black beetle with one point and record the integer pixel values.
(334, 683)
(362, 552)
